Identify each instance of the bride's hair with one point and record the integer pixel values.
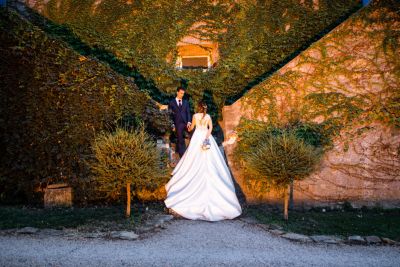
(202, 106)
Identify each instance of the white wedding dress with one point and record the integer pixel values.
(201, 187)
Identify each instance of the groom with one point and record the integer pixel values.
(180, 115)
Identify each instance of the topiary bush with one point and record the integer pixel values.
(251, 131)
(273, 155)
(126, 160)
(280, 160)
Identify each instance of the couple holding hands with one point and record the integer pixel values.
(201, 187)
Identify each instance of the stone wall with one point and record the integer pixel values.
(352, 63)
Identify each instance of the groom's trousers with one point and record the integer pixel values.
(180, 142)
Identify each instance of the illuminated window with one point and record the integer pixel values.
(194, 62)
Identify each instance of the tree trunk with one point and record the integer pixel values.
(286, 204)
(128, 200)
(291, 204)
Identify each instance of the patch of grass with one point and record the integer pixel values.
(85, 218)
(380, 222)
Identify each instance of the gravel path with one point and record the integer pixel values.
(191, 243)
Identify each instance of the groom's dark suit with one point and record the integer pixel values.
(180, 116)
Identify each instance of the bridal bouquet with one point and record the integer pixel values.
(206, 144)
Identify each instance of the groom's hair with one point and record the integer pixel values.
(180, 88)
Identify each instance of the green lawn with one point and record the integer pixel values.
(380, 222)
(384, 223)
(88, 218)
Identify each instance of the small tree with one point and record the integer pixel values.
(281, 159)
(126, 159)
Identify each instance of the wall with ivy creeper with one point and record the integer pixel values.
(53, 102)
(348, 83)
(254, 37)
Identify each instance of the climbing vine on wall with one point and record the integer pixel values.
(341, 86)
(52, 103)
(254, 37)
(341, 79)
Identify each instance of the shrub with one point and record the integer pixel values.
(280, 159)
(251, 132)
(158, 121)
(124, 159)
(283, 158)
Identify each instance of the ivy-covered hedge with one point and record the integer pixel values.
(53, 102)
(255, 38)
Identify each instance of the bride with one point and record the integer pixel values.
(201, 186)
